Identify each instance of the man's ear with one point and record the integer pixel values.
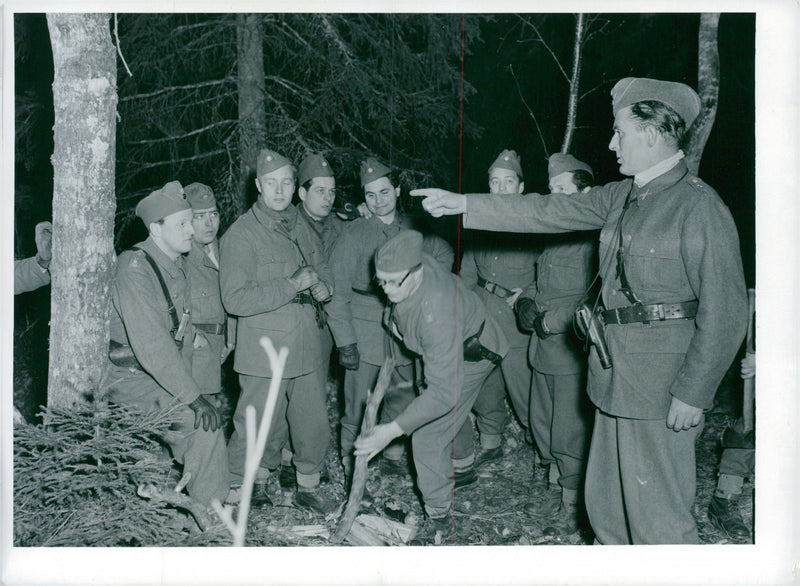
(521, 188)
(652, 134)
(258, 185)
(397, 192)
(301, 193)
(155, 229)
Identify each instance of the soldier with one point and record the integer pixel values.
(675, 309)
(151, 347)
(274, 279)
(214, 333)
(356, 311)
(560, 410)
(447, 325)
(34, 272)
(498, 269)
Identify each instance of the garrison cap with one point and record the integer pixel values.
(560, 163)
(678, 96)
(313, 166)
(508, 160)
(269, 161)
(162, 203)
(400, 252)
(372, 169)
(200, 196)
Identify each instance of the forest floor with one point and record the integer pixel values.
(489, 512)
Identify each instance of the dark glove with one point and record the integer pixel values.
(303, 278)
(348, 356)
(540, 327)
(205, 412)
(526, 313)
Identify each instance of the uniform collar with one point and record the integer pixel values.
(644, 177)
(661, 182)
(162, 260)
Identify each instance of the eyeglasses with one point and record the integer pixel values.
(394, 283)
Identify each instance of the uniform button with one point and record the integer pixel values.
(652, 250)
(628, 238)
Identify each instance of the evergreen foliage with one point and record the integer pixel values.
(75, 481)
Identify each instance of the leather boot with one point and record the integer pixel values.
(724, 515)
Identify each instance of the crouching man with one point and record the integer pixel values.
(445, 323)
(151, 342)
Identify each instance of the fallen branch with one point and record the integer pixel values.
(374, 399)
(176, 499)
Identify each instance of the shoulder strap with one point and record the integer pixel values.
(170, 307)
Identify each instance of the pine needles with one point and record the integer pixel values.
(75, 481)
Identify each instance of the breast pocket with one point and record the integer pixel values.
(276, 264)
(655, 265)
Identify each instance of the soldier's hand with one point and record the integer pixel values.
(439, 202)
(205, 413)
(303, 278)
(526, 313)
(43, 236)
(682, 416)
(348, 356)
(381, 436)
(363, 210)
(320, 291)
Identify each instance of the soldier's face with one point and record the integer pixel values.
(504, 181)
(381, 196)
(318, 198)
(630, 143)
(277, 188)
(175, 233)
(397, 286)
(205, 224)
(562, 183)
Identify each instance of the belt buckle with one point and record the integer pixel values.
(661, 315)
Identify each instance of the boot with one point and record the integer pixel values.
(286, 477)
(313, 499)
(566, 521)
(724, 515)
(486, 456)
(465, 477)
(435, 531)
(389, 467)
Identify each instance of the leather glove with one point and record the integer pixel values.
(541, 327)
(526, 313)
(303, 278)
(206, 413)
(43, 236)
(348, 356)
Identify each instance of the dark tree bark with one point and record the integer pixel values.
(708, 88)
(252, 115)
(85, 101)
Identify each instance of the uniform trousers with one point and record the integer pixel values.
(561, 419)
(356, 384)
(641, 481)
(202, 453)
(514, 375)
(300, 407)
(433, 443)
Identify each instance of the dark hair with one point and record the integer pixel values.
(582, 179)
(307, 183)
(666, 120)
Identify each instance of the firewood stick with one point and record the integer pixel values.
(360, 469)
(749, 391)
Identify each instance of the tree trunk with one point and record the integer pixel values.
(708, 88)
(252, 113)
(574, 82)
(84, 136)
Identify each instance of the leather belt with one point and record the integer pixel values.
(652, 312)
(303, 299)
(494, 288)
(217, 329)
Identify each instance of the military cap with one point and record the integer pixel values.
(269, 161)
(372, 169)
(313, 166)
(508, 160)
(400, 252)
(560, 163)
(162, 203)
(200, 196)
(678, 96)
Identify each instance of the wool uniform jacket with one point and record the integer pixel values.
(679, 244)
(259, 253)
(140, 318)
(29, 275)
(564, 272)
(356, 317)
(327, 229)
